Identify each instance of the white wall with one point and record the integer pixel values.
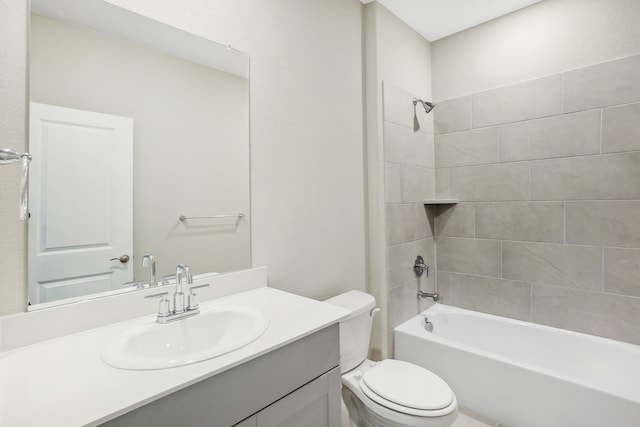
(547, 38)
(306, 132)
(404, 56)
(13, 93)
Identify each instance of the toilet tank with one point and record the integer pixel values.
(355, 329)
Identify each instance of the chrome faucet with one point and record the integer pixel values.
(434, 296)
(182, 271)
(180, 310)
(146, 260)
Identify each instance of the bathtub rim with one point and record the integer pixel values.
(418, 331)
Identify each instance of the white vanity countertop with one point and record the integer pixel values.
(64, 382)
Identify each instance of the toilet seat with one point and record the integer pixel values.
(407, 388)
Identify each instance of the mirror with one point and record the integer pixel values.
(134, 124)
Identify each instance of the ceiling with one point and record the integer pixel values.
(435, 19)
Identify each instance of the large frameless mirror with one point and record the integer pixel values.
(139, 134)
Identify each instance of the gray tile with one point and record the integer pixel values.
(431, 151)
(406, 223)
(622, 271)
(474, 147)
(605, 315)
(559, 136)
(471, 256)
(495, 296)
(443, 184)
(403, 304)
(610, 83)
(456, 220)
(398, 108)
(606, 176)
(529, 221)
(397, 105)
(443, 286)
(418, 183)
(508, 181)
(424, 121)
(523, 101)
(400, 259)
(621, 128)
(402, 145)
(392, 183)
(452, 115)
(603, 223)
(552, 264)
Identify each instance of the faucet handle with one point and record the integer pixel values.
(166, 280)
(133, 284)
(192, 298)
(163, 306)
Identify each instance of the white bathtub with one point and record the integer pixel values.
(523, 374)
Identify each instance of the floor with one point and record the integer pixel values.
(466, 418)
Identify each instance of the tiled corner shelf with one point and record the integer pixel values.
(440, 201)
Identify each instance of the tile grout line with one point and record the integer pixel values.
(475, 219)
(501, 257)
(531, 285)
(601, 127)
(542, 159)
(564, 222)
(533, 242)
(562, 93)
(602, 281)
(530, 181)
(471, 113)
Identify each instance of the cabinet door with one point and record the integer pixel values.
(316, 404)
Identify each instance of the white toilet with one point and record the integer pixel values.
(390, 393)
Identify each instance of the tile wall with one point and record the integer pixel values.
(547, 173)
(409, 179)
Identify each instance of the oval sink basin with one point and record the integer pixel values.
(213, 332)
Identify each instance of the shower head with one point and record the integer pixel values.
(428, 106)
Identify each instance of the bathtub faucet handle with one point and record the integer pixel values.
(419, 267)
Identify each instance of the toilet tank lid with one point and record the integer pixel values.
(356, 302)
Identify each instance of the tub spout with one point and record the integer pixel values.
(433, 296)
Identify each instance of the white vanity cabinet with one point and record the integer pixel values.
(295, 385)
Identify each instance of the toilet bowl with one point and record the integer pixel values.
(397, 402)
(389, 393)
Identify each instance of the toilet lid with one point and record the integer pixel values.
(407, 385)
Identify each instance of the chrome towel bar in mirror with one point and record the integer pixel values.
(184, 218)
(8, 156)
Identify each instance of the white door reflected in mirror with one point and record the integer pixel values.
(82, 175)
